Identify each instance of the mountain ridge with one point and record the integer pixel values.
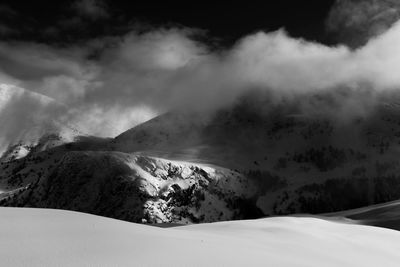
(296, 162)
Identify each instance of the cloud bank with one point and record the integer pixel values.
(114, 83)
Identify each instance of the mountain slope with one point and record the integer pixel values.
(383, 215)
(275, 160)
(302, 162)
(138, 188)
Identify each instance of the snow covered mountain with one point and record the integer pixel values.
(307, 163)
(44, 237)
(132, 187)
(245, 161)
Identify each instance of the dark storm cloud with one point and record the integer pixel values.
(6, 11)
(62, 74)
(7, 15)
(81, 21)
(354, 22)
(30, 61)
(93, 9)
(6, 31)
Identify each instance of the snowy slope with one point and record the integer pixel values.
(36, 237)
(383, 215)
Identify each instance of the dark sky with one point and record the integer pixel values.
(66, 22)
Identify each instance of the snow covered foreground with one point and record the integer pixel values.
(40, 237)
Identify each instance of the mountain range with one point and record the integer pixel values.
(252, 159)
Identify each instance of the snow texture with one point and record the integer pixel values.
(40, 237)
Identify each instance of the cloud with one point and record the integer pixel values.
(23, 114)
(143, 68)
(6, 31)
(62, 74)
(354, 22)
(8, 12)
(168, 69)
(93, 9)
(107, 121)
(114, 83)
(7, 15)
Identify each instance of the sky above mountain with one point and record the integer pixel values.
(118, 64)
(71, 21)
